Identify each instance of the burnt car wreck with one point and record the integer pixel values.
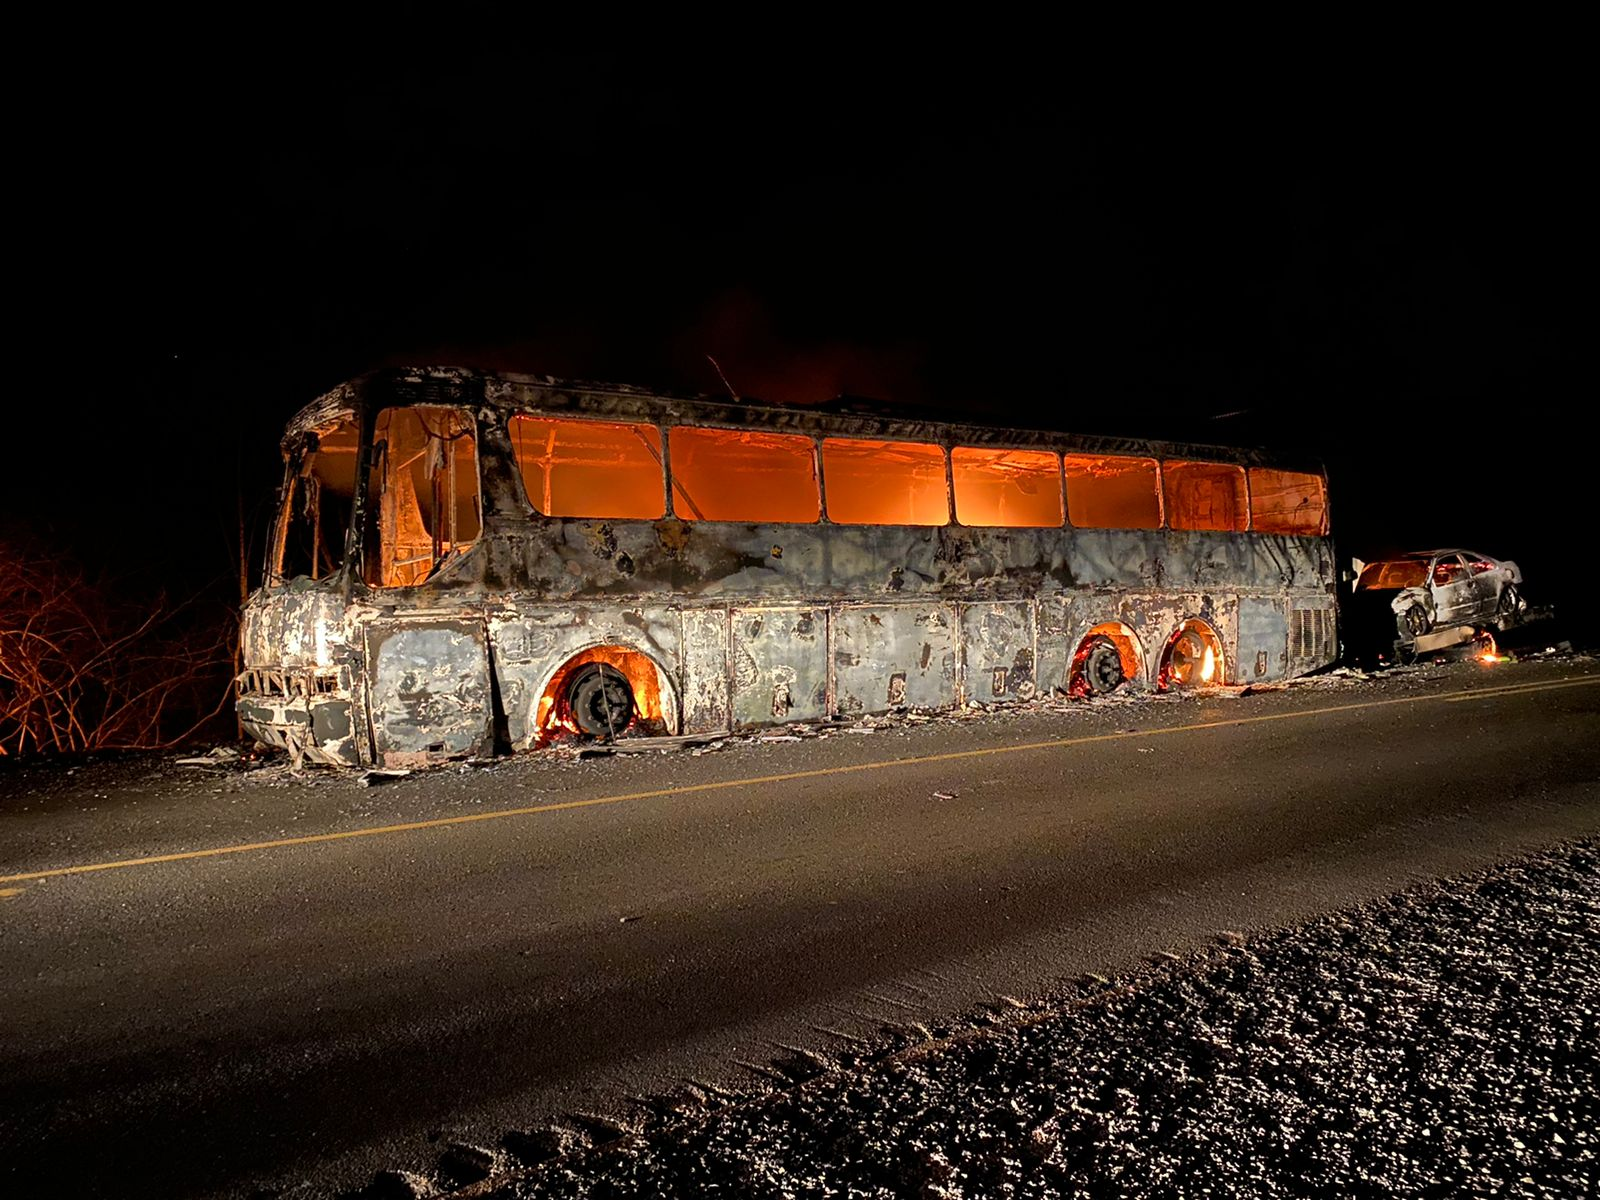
(468, 563)
(1432, 600)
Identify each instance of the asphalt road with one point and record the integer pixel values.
(236, 984)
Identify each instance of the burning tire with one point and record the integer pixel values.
(600, 700)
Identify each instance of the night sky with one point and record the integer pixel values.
(1385, 275)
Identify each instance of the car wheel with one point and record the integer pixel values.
(601, 700)
(1509, 608)
(1414, 622)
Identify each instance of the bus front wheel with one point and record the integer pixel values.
(600, 700)
(1100, 666)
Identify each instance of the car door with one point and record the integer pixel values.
(1454, 596)
(1487, 580)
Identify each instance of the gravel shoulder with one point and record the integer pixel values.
(1442, 1042)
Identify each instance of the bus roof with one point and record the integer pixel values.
(845, 416)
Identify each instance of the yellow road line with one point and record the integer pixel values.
(7, 893)
(786, 777)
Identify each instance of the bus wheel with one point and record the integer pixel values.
(1099, 666)
(600, 700)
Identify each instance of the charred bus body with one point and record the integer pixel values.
(467, 562)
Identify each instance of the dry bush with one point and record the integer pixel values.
(86, 664)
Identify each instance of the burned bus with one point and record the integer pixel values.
(467, 563)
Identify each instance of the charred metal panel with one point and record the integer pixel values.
(705, 670)
(429, 695)
(780, 665)
(1263, 640)
(997, 651)
(294, 628)
(1054, 643)
(1156, 617)
(530, 644)
(886, 656)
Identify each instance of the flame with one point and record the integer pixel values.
(1489, 650)
(553, 719)
(1193, 657)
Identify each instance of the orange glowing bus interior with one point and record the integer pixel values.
(590, 468)
(743, 475)
(422, 493)
(1112, 492)
(1287, 502)
(1013, 488)
(884, 483)
(1203, 495)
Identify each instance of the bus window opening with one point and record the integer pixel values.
(1202, 495)
(1010, 488)
(423, 493)
(317, 504)
(743, 475)
(884, 483)
(590, 468)
(1112, 492)
(1287, 502)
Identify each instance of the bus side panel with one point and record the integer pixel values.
(705, 670)
(1053, 645)
(997, 651)
(530, 645)
(1263, 640)
(780, 665)
(886, 656)
(429, 694)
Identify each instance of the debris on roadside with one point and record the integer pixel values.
(377, 775)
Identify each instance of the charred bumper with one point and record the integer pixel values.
(320, 728)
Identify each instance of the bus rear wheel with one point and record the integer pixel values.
(600, 700)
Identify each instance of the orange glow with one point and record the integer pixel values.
(1010, 488)
(1487, 650)
(425, 486)
(1287, 502)
(1111, 492)
(1203, 495)
(884, 483)
(743, 475)
(552, 718)
(1193, 657)
(590, 468)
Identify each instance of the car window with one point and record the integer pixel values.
(1479, 565)
(1448, 570)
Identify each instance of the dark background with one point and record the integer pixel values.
(1387, 273)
